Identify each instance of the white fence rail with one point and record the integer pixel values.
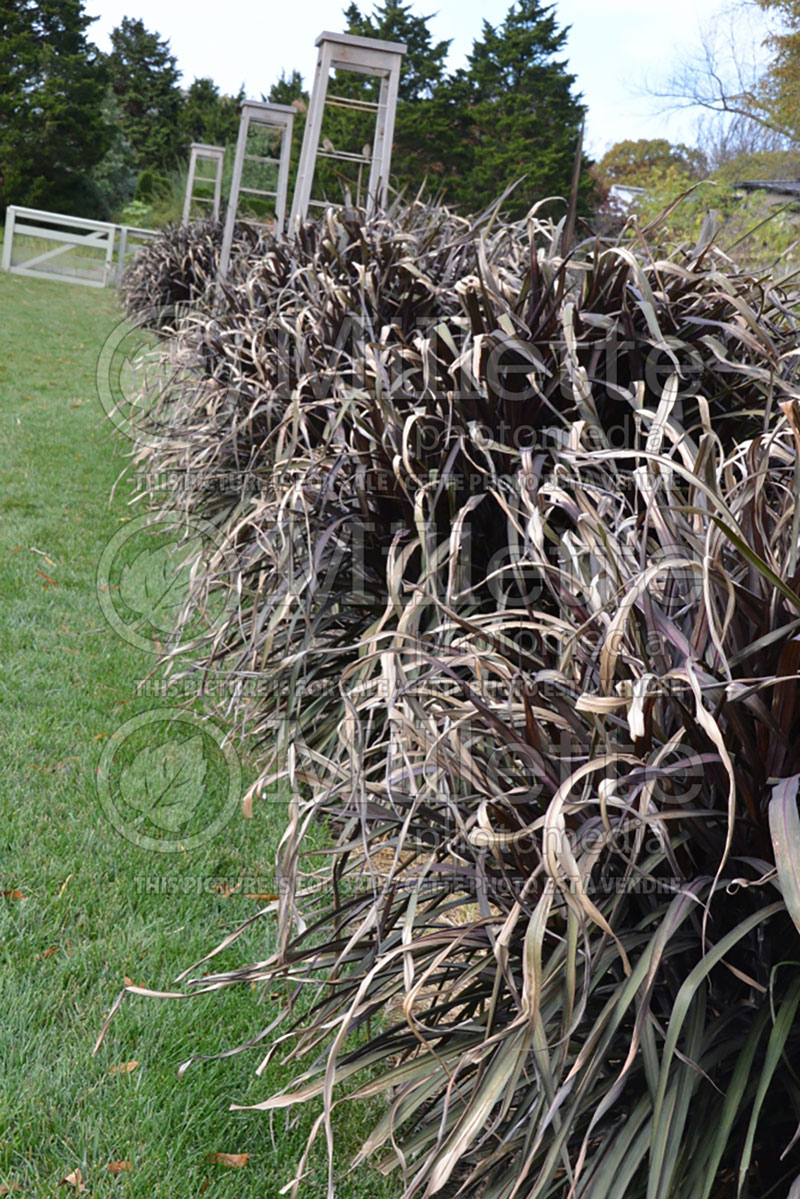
(68, 249)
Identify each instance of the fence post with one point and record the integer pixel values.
(8, 237)
(109, 263)
(123, 249)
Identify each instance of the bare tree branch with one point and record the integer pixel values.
(724, 81)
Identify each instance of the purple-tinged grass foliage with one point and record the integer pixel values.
(515, 538)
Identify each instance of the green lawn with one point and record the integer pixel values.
(90, 914)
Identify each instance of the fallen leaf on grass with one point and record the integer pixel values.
(234, 1160)
(13, 895)
(47, 953)
(7, 1188)
(263, 895)
(118, 1167)
(46, 578)
(225, 890)
(75, 1179)
(124, 1068)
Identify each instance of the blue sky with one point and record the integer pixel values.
(615, 46)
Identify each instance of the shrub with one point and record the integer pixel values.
(151, 186)
(755, 233)
(137, 213)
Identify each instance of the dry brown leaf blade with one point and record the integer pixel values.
(234, 1161)
(74, 1179)
(123, 1068)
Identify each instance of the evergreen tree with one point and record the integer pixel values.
(52, 90)
(423, 126)
(287, 90)
(424, 61)
(114, 177)
(144, 76)
(207, 116)
(519, 114)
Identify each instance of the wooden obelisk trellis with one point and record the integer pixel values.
(279, 118)
(203, 154)
(363, 56)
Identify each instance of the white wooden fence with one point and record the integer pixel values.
(130, 239)
(69, 249)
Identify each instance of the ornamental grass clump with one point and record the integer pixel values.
(176, 269)
(369, 374)
(514, 549)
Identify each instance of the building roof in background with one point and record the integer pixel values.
(779, 187)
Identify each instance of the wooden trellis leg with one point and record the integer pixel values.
(364, 56)
(384, 134)
(308, 154)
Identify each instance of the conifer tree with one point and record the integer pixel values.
(208, 116)
(424, 61)
(423, 125)
(144, 75)
(520, 115)
(52, 92)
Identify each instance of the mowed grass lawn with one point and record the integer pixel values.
(78, 911)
